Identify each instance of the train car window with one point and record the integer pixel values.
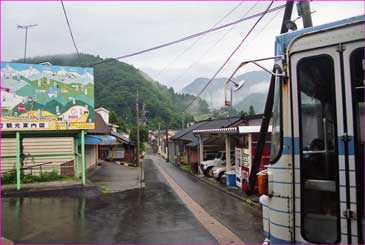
(357, 83)
(318, 150)
(276, 139)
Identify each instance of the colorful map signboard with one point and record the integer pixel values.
(46, 97)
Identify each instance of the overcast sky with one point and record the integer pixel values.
(111, 29)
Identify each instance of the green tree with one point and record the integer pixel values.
(243, 113)
(251, 110)
(115, 119)
(143, 136)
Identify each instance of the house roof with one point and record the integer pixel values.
(102, 109)
(187, 134)
(100, 126)
(122, 138)
(183, 132)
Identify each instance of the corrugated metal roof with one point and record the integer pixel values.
(121, 137)
(208, 124)
(186, 130)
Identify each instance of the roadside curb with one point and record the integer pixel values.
(8, 191)
(247, 201)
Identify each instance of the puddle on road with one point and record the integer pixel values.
(64, 219)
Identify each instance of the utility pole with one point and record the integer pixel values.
(137, 121)
(159, 135)
(26, 27)
(167, 145)
(304, 11)
(183, 120)
(143, 114)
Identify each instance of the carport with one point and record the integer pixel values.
(231, 135)
(204, 134)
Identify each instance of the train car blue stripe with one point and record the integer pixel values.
(341, 145)
(274, 240)
(287, 146)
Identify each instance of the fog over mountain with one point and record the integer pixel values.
(252, 93)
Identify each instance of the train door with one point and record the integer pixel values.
(325, 185)
(353, 73)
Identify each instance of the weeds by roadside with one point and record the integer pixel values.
(10, 178)
(186, 167)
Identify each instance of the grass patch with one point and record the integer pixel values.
(10, 178)
(105, 190)
(186, 167)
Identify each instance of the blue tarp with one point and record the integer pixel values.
(98, 140)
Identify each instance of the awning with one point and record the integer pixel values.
(98, 140)
(232, 130)
(251, 129)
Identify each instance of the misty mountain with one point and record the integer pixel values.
(253, 91)
(257, 100)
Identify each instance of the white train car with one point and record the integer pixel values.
(315, 190)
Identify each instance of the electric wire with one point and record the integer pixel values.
(230, 56)
(184, 72)
(260, 31)
(187, 37)
(197, 40)
(70, 30)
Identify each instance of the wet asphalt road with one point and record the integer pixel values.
(244, 221)
(150, 215)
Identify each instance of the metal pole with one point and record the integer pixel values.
(26, 37)
(83, 165)
(76, 158)
(201, 154)
(228, 153)
(25, 43)
(18, 163)
(159, 136)
(167, 144)
(267, 111)
(305, 12)
(137, 122)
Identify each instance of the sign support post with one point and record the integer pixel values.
(18, 162)
(76, 146)
(83, 167)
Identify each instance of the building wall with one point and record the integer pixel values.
(43, 146)
(91, 157)
(38, 146)
(172, 151)
(193, 155)
(104, 114)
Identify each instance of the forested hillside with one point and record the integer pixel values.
(116, 86)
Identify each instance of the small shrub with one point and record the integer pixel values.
(8, 178)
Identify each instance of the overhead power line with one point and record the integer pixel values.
(184, 72)
(69, 28)
(196, 41)
(230, 56)
(188, 37)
